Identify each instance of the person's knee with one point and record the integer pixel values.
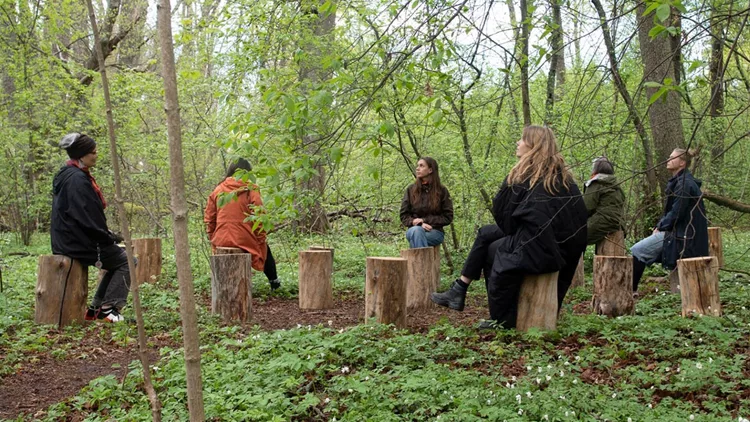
(414, 231)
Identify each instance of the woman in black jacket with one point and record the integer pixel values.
(426, 207)
(79, 228)
(541, 226)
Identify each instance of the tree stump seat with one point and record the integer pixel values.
(537, 302)
(423, 269)
(386, 290)
(315, 279)
(61, 290)
(613, 286)
(231, 286)
(699, 286)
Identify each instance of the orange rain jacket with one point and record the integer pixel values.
(226, 226)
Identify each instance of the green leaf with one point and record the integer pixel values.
(663, 11)
(652, 84)
(658, 94)
(336, 154)
(656, 30)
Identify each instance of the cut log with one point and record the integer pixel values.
(436, 263)
(323, 248)
(385, 290)
(61, 290)
(537, 302)
(315, 286)
(715, 245)
(227, 251)
(613, 244)
(148, 253)
(421, 278)
(231, 286)
(613, 286)
(579, 278)
(699, 286)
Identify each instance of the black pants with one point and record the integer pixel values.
(269, 268)
(479, 255)
(114, 287)
(503, 288)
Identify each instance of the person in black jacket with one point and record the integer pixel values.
(682, 232)
(79, 228)
(540, 228)
(426, 207)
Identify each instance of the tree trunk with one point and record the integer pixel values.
(699, 286)
(61, 291)
(633, 113)
(726, 201)
(715, 247)
(658, 66)
(179, 216)
(556, 59)
(537, 302)
(613, 244)
(385, 290)
(613, 286)
(148, 252)
(231, 286)
(142, 341)
(315, 287)
(525, 30)
(422, 280)
(716, 82)
(579, 278)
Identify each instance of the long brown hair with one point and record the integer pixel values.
(542, 163)
(432, 179)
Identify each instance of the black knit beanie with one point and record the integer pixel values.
(77, 145)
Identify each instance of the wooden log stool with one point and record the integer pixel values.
(715, 246)
(232, 285)
(537, 302)
(148, 253)
(699, 285)
(324, 248)
(423, 277)
(613, 286)
(61, 290)
(315, 286)
(385, 290)
(613, 244)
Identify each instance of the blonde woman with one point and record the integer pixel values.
(541, 228)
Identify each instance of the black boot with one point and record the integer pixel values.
(453, 298)
(638, 268)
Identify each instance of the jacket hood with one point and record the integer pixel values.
(606, 179)
(62, 176)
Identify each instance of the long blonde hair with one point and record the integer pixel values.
(542, 163)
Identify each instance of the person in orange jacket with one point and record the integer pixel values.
(226, 225)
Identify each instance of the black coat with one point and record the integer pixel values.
(684, 221)
(78, 224)
(543, 232)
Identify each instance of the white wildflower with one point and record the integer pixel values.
(710, 360)
(538, 381)
(489, 401)
(691, 417)
(548, 377)
(528, 368)
(344, 369)
(614, 395)
(520, 412)
(351, 391)
(327, 400)
(699, 365)
(562, 374)
(445, 391)
(650, 406)
(513, 378)
(575, 381)
(562, 397)
(545, 417)
(518, 398)
(330, 323)
(447, 338)
(367, 378)
(528, 394)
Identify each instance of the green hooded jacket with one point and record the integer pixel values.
(605, 203)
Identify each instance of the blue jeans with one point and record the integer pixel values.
(648, 250)
(421, 238)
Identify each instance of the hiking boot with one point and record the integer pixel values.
(454, 298)
(488, 324)
(91, 314)
(275, 284)
(110, 315)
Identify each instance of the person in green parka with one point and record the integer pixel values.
(605, 201)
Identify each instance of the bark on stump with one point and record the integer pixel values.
(324, 248)
(613, 244)
(315, 286)
(537, 302)
(436, 263)
(613, 286)
(579, 278)
(385, 290)
(231, 286)
(422, 279)
(227, 251)
(148, 253)
(715, 247)
(61, 290)
(699, 286)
